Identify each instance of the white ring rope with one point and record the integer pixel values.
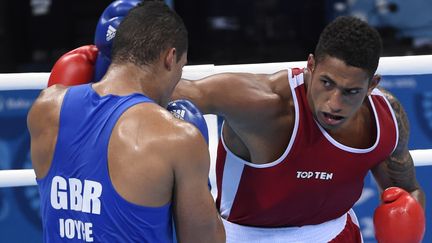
(27, 177)
(21, 177)
(404, 65)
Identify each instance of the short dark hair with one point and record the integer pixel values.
(352, 41)
(149, 29)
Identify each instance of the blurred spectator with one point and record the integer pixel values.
(406, 26)
(35, 33)
(220, 31)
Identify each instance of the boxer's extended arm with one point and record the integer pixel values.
(195, 214)
(229, 94)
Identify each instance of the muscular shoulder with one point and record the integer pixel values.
(390, 97)
(45, 109)
(401, 118)
(149, 127)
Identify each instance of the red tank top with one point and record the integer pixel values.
(315, 180)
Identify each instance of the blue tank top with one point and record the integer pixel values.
(78, 200)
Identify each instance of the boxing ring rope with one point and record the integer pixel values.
(399, 65)
(403, 65)
(27, 177)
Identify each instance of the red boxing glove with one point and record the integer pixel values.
(74, 67)
(400, 218)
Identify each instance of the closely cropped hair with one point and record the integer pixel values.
(351, 40)
(149, 29)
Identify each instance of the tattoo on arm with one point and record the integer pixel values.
(399, 166)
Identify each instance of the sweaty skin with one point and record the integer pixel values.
(153, 157)
(258, 108)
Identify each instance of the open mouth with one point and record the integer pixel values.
(331, 119)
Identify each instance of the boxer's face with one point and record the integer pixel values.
(335, 91)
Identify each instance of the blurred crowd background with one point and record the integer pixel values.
(35, 33)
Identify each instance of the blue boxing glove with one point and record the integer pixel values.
(105, 32)
(187, 111)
